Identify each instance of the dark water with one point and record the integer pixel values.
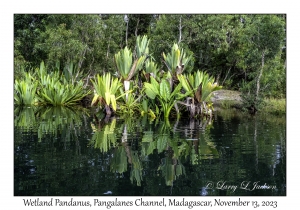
(60, 151)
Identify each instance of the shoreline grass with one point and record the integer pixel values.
(274, 106)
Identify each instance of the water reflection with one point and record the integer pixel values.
(50, 120)
(167, 139)
(61, 151)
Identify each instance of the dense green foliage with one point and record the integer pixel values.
(25, 90)
(105, 91)
(242, 52)
(48, 88)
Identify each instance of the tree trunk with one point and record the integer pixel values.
(260, 74)
(136, 28)
(180, 31)
(126, 33)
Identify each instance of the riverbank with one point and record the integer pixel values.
(228, 99)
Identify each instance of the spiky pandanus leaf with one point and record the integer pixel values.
(142, 44)
(184, 82)
(151, 89)
(165, 90)
(55, 89)
(151, 68)
(123, 60)
(113, 102)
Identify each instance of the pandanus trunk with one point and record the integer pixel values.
(126, 86)
(108, 111)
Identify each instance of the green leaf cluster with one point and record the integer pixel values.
(105, 90)
(177, 60)
(125, 65)
(25, 90)
(48, 89)
(191, 83)
(105, 137)
(162, 91)
(56, 93)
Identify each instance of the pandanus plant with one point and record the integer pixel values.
(177, 61)
(130, 104)
(105, 92)
(199, 87)
(171, 169)
(128, 65)
(151, 69)
(55, 90)
(25, 90)
(59, 93)
(104, 137)
(162, 91)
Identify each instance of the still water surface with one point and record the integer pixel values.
(65, 152)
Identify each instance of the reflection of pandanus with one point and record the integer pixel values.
(169, 153)
(124, 134)
(100, 125)
(196, 138)
(119, 160)
(171, 168)
(207, 121)
(191, 107)
(196, 146)
(189, 134)
(191, 128)
(78, 148)
(192, 124)
(167, 169)
(136, 174)
(108, 111)
(125, 143)
(128, 151)
(136, 169)
(102, 122)
(210, 120)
